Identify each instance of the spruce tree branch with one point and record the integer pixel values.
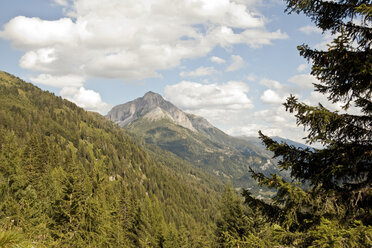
(344, 73)
(330, 127)
(327, 15)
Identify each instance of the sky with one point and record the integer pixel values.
(233, 62)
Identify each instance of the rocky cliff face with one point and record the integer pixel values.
(153, 107)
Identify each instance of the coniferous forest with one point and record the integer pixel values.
(72, 178)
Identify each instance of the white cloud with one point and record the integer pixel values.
(271, 97)
(273, 121)
(310, 30)
(59, 81)
(250, 130)
(302, 67)
(61, 2)
(33, 33)
(38, 59)
(210, 100)
(315, 98)
(134, 39)
(237, 63)
(87, 99)
(217, 60)
(327, 39)
(199, 72)
(303, 81)
(271, 83)
(191, 95)
(254, 38)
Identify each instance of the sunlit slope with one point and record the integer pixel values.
(70, 178)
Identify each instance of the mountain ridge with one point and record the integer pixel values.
(126, 113)
(200, 143)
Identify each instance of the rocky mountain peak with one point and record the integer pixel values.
(153, 98)
(150, 105)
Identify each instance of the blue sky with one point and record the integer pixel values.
(230, 61)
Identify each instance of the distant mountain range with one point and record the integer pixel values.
(256, 141)
(193, 139)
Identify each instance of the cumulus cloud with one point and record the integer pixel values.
(210, 100)
(271, 83)
(254, 38)
(134, 39)
(271, 97)
(33, 33)
(87, 99)
(310, 30)
(217, 60)
(315, 98)
(59, 81)
(303, 81)
(199, 72)
(191, 95)
(237, 63)
(276, 92)
(229, 107)
(274, 121)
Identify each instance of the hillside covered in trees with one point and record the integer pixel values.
(71, 178)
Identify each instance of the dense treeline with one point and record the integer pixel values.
(71, 178)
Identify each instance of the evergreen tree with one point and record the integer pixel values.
(70, 208)
(338, 176)
(71, 178)
(233, 222)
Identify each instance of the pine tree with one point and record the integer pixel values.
(233, 222)
(70, 208)
(338, 176)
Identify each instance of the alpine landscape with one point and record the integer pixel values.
(185, 124)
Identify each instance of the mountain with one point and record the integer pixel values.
(151, 106)
(256, 141)
(193, 139)
(72, 178)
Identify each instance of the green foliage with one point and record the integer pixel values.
(71, 178)
(332, 205)
(211, 150)
(10, 239)
(331, 234)
(233, 223)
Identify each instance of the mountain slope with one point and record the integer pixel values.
(193, 139)
(71, 178)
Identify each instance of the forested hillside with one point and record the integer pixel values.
(71, 178)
